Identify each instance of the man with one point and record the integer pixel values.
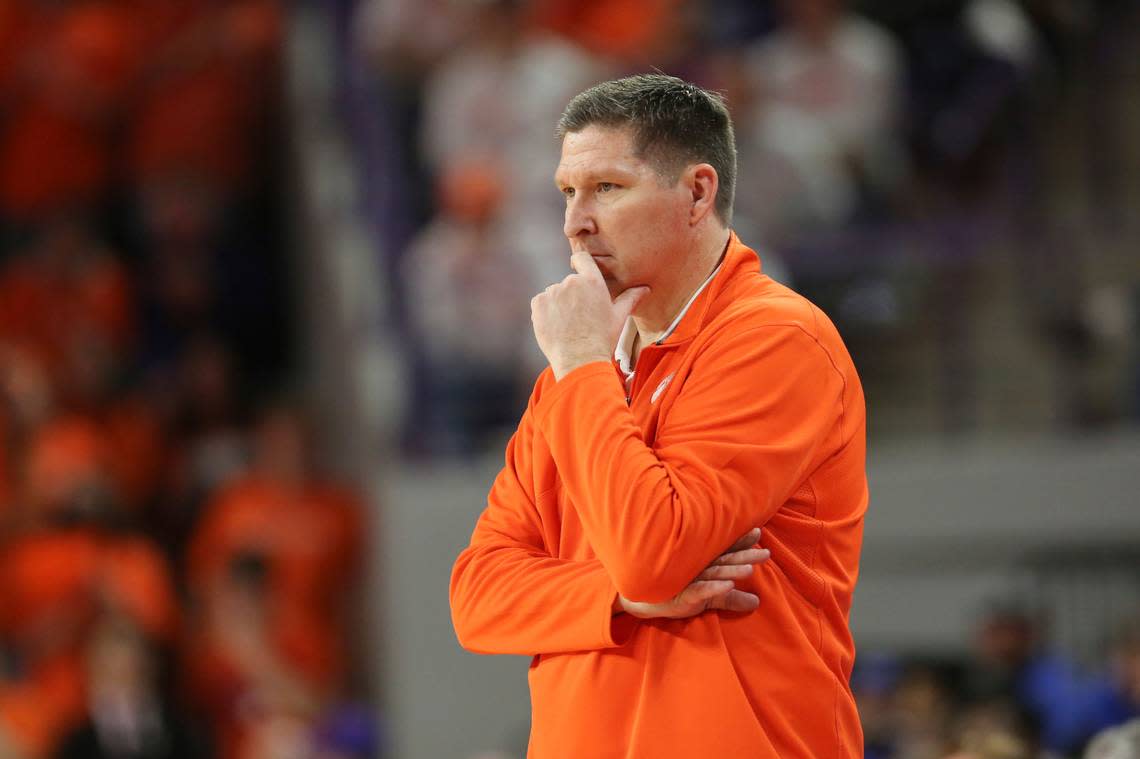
(618, 546)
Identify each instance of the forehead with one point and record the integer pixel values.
(598, 149)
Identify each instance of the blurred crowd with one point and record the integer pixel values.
(906, 165)
(178, 573)
(1013, 697)
(178, 566)
(889, 153)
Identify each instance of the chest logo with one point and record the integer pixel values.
(660, 389)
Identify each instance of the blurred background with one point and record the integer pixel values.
(265, 271)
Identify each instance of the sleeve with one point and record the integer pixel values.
(509, 595)
(751, 416)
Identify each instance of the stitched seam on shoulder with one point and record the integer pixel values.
(843, 398)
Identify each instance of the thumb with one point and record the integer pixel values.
(628, 300)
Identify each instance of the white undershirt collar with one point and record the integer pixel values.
(623, 353)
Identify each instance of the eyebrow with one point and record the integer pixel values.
(606, 175)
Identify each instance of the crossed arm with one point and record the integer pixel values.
(510, 595)
(672, 524)
(714, 588)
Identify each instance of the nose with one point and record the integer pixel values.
(579, 219)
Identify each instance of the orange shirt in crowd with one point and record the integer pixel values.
(64, 456)
(610, 28)
(310, 539)
(49, 307)
(66, 73)
(121, 450)
(749, 414)
(55, 583)
(207, 75)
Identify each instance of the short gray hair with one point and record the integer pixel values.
(675, 124)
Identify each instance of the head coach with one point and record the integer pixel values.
(675, 534)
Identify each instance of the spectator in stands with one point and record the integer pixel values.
(60, 575)
(818, 129)
(493, 100)
(236, 672)
(405, 39)
(129, 714)
(261, 704)
(1115, 699)
(66, 309)
(922, 711)
(202, 98)
(66, 299)
(61, 427)
(995, 730)
(66, 473)
(308, 533)
(969, 64)
(65, 71)
(469, 296)
(873, 682)
(1012, 664)
(634, 34)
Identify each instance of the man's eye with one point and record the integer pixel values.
(568, 192)
(606, 186)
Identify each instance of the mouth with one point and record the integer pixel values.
(602, 261)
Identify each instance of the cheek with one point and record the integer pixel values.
(664, 225)
(641, 228)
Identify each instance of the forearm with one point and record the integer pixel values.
(652, 530)
(510, 599)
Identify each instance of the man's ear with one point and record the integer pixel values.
(702, 182)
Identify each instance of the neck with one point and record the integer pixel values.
(655, 314)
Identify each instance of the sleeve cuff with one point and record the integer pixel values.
(619, 627)
(593, 373)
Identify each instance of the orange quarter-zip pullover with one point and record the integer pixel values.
(750, 413)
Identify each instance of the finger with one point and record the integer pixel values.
(584, 264)
(734, 572)
(747, 540)
(700, 591)
(736, 600)
(628, 300)
(747, 556)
